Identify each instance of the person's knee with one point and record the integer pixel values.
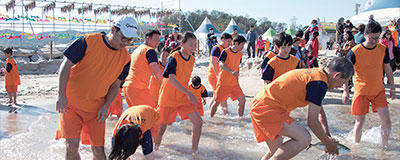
(72, 145)
(196, 120)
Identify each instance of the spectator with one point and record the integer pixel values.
(299, 34)
(162, 43)
(235, 33)
(211, 40)
(359, 37)
(174, 39)
(339, 31)
(389, 42)
(348, 23)
(348, 44)
(313, 26)
(251, 41)
(260, 46)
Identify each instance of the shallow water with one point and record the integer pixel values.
(30, 135)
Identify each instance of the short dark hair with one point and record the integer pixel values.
(283, 39)
(176, 28)
(251, 26)
(226, 36)
(299, 33)
(347, 21)
(239, 39)
(361, 27)
(125, 141)
(196, 80)
(373, 27)
(234, 29)
(342, 65)
(152, 32)
(211, 28)
(295, 39)
(8, 50)
(314, 20)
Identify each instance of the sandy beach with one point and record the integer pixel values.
(30, 133)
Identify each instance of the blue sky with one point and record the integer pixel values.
(274, 10)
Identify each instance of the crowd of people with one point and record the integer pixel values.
(158, 84)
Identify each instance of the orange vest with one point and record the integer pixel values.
(368, 69)
(92, 76)
(232, 61)
(12, 77)
(395, 34)
(143, 115)
(270, 55)
(155, 86)
(169, 95)
(197, 91)
(267, 44)
(140, 71)
(210, 66)
(289, 90)
(282, 66)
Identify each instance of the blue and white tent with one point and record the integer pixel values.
(202, 32)
(232, 25)
(383, 10)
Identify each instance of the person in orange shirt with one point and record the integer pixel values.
(132, 130)
(175, 96)
(270, 108)
(228, 77)
(200, 92)
(155, 85)
(11, 75)
(370, 58)
(394, 30)
(213, 68)
(144, 63)
(83, 103)
(267, 45)
(268, 55)
(282, 62)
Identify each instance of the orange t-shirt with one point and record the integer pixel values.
(368, 68)
(295, 89)
(182, 68)
(267, 44)
(91, 76)
(215, 53)
(140, 70)
(232, 60)
(155, 85)
(12, 77)
(143, 115)
(278, 66)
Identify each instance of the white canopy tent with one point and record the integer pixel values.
(232, 25)
(383, 11)
(202, 32)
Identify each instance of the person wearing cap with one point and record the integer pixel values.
(174, 39)
(89, 79)
(354, 31)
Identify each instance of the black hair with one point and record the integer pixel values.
(125, 141)
(347, 21)
(361, 27)
(8, 50)
(315, 21)
(388, 31)
(239, 39)
(226, 36)
(307, 35)
(295, 39)
(251, 26)
(373, 27)
(284, 39)
(196, 80)
(347, 26)
(152, 32)
(176, 28)
(316, 34)
(211, 28)
(166, 36)
(299, 33)
(351, 37)
(234, 29)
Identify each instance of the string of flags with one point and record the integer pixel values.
(6, 18)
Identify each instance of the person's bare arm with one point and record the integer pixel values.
(214, 62)
(156, 71)
(389, 74)
(111, 94)
(226, 68)
(63, 77)
(317, 128)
